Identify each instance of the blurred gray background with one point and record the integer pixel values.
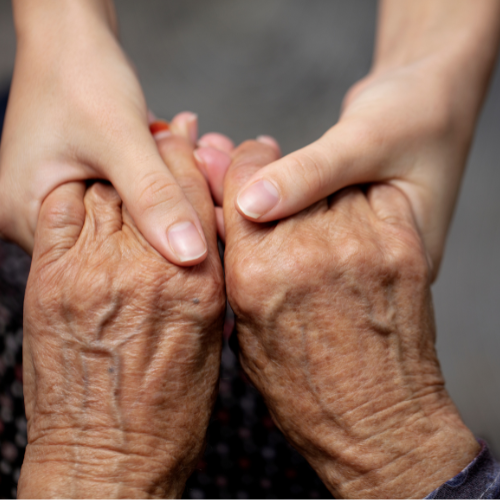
(281, 67)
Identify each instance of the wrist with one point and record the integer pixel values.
(453, 44)
(45, 22)
(408, 460)
(79, 471)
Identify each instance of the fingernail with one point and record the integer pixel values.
(200, 161)
(269, 141)
(217, 141)
(187, 125)
(257, 199)
(192, 128)
(186, 242)
(211, 157)
(160, 129)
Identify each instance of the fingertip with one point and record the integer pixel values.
(269, 141)
(247, 188)
(217, 141)
(200, 163)
(101, 192)
(390, 204)
(214, 165)
(61, 219)
(160, 129)
(258, 199)
(187, 243)
(185, 124)
(151, 117)
(219, 219)
(63, 207)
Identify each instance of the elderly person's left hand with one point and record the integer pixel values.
(335, 327)
(121, 348)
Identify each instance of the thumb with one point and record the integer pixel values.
(157, 203)
(60, 221)
(342, 157)
(247, 160)
(391, 205)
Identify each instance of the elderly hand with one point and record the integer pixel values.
(121, 348)
(335, 327)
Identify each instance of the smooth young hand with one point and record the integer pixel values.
(76, 111)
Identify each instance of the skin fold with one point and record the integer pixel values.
(336, 330)
(121, 348)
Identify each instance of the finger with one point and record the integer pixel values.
(213, 164)
(103, 211)
(157, 203)
(177, 153)
(391, 205)
(351, 208)
(60, 221)
(248, 159)
(151, 117)
(216, 141)
(185, 124)
(219, 219)
(270, 141)
(341, 158)
(160, 129)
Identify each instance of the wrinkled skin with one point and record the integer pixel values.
(121, 349)
(335, 328)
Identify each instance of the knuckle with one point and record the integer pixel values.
(171, 145)
(102, 193)
(156, 191)
(61, 214)
(358, 253)
(406, 257)
(248, 282)
(307, 168)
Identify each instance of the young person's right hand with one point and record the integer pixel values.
(76, 111)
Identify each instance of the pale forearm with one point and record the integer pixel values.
(410, 30)
(456, 41)
(54, 20)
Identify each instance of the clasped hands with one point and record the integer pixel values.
(334, 322)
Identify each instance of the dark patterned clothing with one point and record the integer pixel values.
(480, 479)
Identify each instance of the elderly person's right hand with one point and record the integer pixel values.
(335, 328)
(121, 348)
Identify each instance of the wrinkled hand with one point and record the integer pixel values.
(335, 327)
(121, 348)
(76, 111)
